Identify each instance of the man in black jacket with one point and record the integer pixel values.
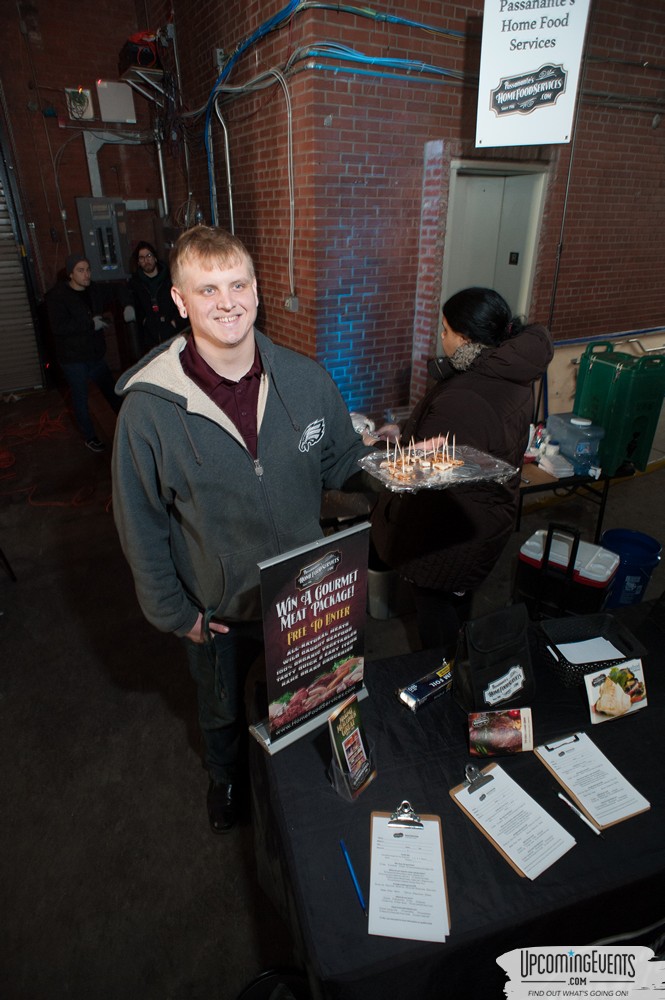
(151, 304)
(75, 309)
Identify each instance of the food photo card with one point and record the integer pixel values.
(492, 734)
(616, 691)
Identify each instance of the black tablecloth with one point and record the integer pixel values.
(599, 888)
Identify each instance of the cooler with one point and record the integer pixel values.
(623, 394)
(557, 574)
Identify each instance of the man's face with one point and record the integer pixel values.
(80, 276)
(146, 261)
(220, 301)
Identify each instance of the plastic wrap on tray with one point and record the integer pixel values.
(476, 466)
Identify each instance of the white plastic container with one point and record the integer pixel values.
(549, 592)
(579, 439)
(594, 565)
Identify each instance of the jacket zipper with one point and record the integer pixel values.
(258, 469)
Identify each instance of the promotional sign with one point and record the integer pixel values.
(314, 602)
(529, 71)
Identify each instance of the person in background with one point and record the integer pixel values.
(76, 314)
(151, 305)
(446, 542)
(224, 444)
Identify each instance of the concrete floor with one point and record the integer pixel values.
(113, 884)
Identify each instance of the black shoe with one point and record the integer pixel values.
(222, 807)
(94, 444)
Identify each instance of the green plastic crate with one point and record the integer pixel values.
(623, 394)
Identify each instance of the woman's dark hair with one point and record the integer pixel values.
(482, 315)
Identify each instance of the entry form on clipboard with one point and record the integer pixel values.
(408, 896)
(598, 788)
(519, 828)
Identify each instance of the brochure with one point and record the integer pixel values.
(494, 733)
(351, 754)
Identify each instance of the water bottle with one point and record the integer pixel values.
(579, 440)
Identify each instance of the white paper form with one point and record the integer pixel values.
(599, 788)
(528, 837)
(589, 651)
(407, 895)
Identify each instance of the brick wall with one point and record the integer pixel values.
(371, 162)
(370, 221)
(52, 46)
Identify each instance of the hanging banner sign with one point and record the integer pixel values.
(529, 71)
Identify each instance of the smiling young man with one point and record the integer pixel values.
(224, 444)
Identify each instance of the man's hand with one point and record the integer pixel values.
(196, 633)
(100, 323)
(129, 314)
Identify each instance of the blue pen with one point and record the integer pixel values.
(359, 892)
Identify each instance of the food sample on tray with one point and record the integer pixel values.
(404, 465)
(407, 468)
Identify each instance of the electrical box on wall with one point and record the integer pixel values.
(104, 230)
(116, 102)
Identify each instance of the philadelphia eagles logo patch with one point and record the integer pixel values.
(312, 434)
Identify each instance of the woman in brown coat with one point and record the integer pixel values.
(445, 542)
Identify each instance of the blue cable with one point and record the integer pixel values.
(277, 19)
(405, 64)
(260, 32)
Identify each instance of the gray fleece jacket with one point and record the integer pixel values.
(194, 511)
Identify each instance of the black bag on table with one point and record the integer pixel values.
(492, 667)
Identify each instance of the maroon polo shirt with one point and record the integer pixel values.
(239, 400)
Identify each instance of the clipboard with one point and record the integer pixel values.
(493, 780)
(408, 830)
(475, 779)
(547, 753)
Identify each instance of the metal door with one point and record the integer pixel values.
(491, 236)
(20, 364)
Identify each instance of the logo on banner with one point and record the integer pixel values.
(319, 570)
(522, 94)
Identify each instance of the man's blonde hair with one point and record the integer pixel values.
(208, 245)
